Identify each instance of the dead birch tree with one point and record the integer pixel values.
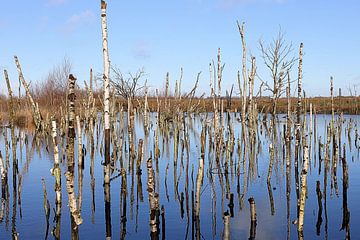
(106, 118)
(56, 172)
(251, 102)
(76, 217)
(253, 216)
(106, 92)
(244, 74)
(277, 59)
(298, 126)
(153, 200)
(3, 174)
(35, 108)
(127, 86)
(199, 181)
(303, 188)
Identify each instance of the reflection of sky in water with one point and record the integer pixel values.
(32, 224)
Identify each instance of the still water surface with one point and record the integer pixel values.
(26, 214)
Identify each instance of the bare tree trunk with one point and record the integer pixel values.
(12, 129)
(3, 174)
(106, 119)
(106, 92)
(46, 208)
(288, 117)
(199, 180)
(11, 102)
(346, 212)
(75, 214)
(242, 35)
(153, 201)
(303, 189)
(226, 234)
(35, 108)
(215, 107)
(319, 218)
(146, 117)
(298, 126)
(251, 103)
(80, 162)
(56, 171)
(219, 77)
(271, 163)
(288, 167)
(252, 218)
(79, 138)
(12, 114)
(15, 162)
(332, 104)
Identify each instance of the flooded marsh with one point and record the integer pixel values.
(130, 161)
(175, 182)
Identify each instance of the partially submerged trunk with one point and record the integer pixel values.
(34, 106)
(70, 155)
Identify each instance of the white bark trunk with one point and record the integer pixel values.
(303, 187)
(35, 108)
(79, 138)
(106, 66)
(56, 171)
(2, 169)
(72, 198)
(242, 35)
(199, 180)
(226, 235)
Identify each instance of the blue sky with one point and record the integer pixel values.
(163, 36)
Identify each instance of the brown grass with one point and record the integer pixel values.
(347, 105)
(23, 115)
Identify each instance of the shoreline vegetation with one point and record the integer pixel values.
(321, 105)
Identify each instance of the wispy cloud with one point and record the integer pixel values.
(141, 50)
(52, 3)
(78, 20)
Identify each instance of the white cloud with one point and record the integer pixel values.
(78, 20)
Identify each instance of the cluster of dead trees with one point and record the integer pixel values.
(276, 56)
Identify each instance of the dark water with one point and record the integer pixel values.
(35, 159)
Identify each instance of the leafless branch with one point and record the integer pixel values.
(126, 87)
(277, 58)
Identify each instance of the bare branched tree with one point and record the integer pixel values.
(127, 87)
(277, 58)
(353, 90)
(58, 76)
(54, 87)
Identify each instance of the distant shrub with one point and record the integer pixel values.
(52, 91)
